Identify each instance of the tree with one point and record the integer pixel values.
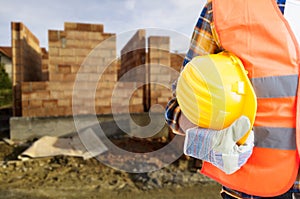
(5, 82)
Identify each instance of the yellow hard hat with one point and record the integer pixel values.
(214, 90)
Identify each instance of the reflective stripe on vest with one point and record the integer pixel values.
(276, 87)
(276, 138)
(258, 34)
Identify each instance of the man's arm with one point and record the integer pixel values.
(202, 43)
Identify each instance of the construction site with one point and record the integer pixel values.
(79, 91)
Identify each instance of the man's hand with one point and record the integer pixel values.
(220, 147)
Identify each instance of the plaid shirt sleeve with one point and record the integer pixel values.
(202, 43)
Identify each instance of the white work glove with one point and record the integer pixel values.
(219, 147)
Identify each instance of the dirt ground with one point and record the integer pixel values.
(72, 177)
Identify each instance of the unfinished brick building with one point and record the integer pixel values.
(43, 82)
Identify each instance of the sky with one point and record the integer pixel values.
(174, 18)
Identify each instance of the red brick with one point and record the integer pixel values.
(83, 27)
(26, 96)
(62, 34)
(66, 86)
(68, 111)
(96, 36)
(64, 68)
(57, 94)
(103, 110)
(53, 35)
(70, 26)
(80, 60)
(97, 27)
(50, 103)
(64, 102)
(68, 93)
(66, 52)
(51, 111)
(136, 109)
(16, 26)
(69, 77)
(104, 93)
(40, 95)
(26, 87)
(69, 60)
(25, 103)
(75, 68)
(82, 52)
(56, 77)
(102, 102)
(54, 86)
(54, 44)
(25, 112)
(55, 60)
(35, 103)
(39, 86)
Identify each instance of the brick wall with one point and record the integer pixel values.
(66, 56)
(133, 55)
(159, 55)
(68, 50)
(45, 65)
(27, 61)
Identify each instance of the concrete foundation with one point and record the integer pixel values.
(28, 128)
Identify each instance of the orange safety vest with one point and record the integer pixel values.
(258, 34)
